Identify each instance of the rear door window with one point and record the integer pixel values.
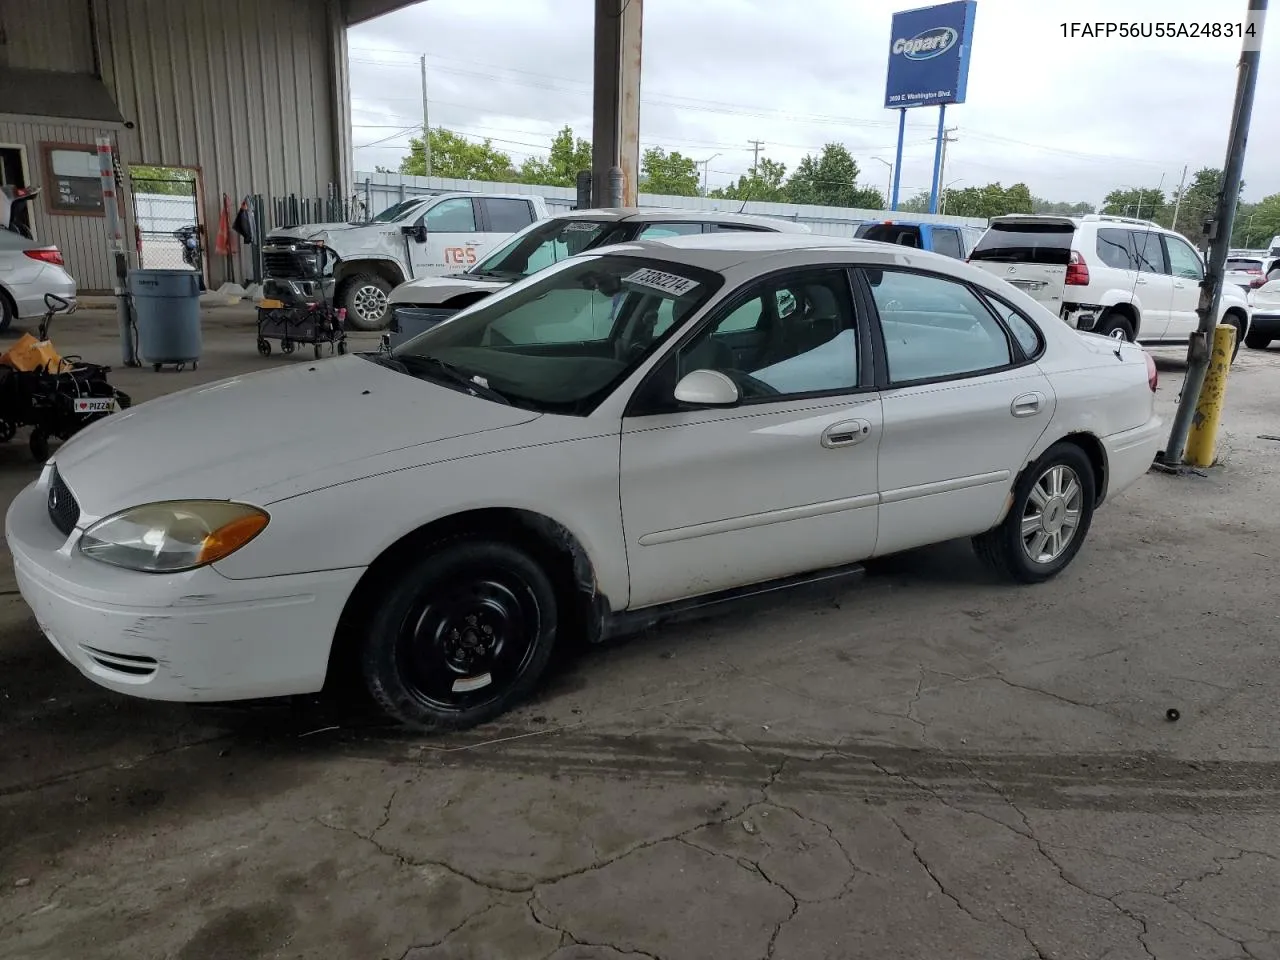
(947, 242)
(1114, 249)
(1148, 251)
(507, 215)
(1045, 243)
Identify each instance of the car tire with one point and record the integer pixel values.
(1239, 325)
(1024, 551)
(1114, 324)
(461, 636)
(7, 312)
(362, 296)
(1257, 341)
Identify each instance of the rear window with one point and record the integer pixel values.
(1048, 243)
(1247, 265)
(901, 234)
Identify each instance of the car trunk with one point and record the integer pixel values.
(1032, 254)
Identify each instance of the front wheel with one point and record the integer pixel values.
(1046, 525)
(461, 636)
(365, 298)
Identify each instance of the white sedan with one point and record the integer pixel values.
(632, 431)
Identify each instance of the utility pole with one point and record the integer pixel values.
(1219, 233)
(755, 157)
(944, 138)
(1177, 203)
(426, 124)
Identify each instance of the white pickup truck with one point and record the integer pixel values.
(422, 236)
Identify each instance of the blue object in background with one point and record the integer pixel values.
(929, 55)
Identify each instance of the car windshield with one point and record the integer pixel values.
(561, 341)
(539, 246)
(397, 211)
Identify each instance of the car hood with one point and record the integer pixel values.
(433, 291)
(237, 436)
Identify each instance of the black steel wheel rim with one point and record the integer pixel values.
(468, 639)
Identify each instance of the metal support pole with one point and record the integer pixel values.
(426, 124)
(110, 206)
(896, 172)
(615, 129)
(1219, 236)
(937, 158)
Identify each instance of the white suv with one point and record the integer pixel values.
(1124, 278)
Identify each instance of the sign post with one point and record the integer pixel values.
(110, 206)
(929, 51)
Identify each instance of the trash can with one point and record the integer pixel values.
(166, 305)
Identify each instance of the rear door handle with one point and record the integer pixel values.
(1027, 405)
(846, 434)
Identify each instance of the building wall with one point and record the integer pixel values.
(251, 93)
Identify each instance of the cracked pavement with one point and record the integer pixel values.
(928, 763)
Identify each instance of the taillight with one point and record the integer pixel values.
(1153, 375)
(1257, 282)
(46, 255)
(1077, 271)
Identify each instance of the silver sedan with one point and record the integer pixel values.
(28, 270)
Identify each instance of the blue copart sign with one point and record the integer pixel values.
(929, 55)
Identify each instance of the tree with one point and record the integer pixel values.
(1200, 202)
(919, 203)
(764, 182)
(993, 200)
(671, 174)
(170, 181)
(831, 180)
(1144, 203)
(569, 155)
(453, 155)
(1061, 208)
(1258, 224)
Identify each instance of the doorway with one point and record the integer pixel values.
(166, 216)
(13, 178)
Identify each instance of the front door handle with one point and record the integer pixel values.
(1027, 405)
(846, 433)
(1142, 279)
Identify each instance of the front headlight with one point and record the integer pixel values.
(174, 535)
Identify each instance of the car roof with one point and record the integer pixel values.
(678, 215)
(721, 251)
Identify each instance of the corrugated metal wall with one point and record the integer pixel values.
(240, 89)
(82, 240)
(46, 35)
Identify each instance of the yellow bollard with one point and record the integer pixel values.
(1202, 439)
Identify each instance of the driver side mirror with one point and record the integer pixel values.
(707, 388)
(417, 230)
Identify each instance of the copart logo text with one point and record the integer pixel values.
(929, 44)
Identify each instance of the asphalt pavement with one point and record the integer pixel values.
(928, 763)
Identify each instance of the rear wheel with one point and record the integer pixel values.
(365, 298)
(1235, 321)
(462, 636)
(1048, 521)
(1116, 325)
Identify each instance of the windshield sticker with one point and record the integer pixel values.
(580, 226)
(670, 283)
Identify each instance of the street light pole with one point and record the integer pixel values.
(944, 192)
(705, 164)
(890, 166)
(1198, 353)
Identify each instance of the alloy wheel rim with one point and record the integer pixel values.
(1051, 517)
(370, 303)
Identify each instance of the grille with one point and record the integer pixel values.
(290, 264)
(63, 509)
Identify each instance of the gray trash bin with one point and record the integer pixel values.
(166, 305)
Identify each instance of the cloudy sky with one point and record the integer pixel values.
(1073, 118)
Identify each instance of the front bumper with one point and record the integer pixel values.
(1266, 324)
(194, 636)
